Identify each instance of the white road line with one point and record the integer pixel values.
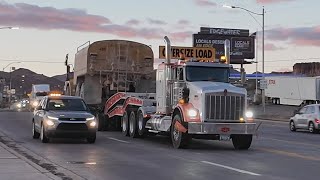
(119, 140)
(231, 168)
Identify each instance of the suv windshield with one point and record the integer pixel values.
(200, 73)
(66, 105)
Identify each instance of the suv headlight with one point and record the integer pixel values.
(52, 118)
(90, 118)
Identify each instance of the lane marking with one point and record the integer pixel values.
(290, 154)
(119, 140)
(291, 142)
(231, 168)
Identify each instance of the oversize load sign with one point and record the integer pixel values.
(241, 47)
(189, 52)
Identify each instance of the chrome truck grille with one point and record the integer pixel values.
(221, 107)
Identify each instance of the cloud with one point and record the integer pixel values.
(272, 47)
(156, 22)
(49, 18)
(283, 70)
(204, 3)
(183, 22)
(133, 22)
(303, 36)
(271, 1)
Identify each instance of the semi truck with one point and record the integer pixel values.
(38, 91)
(293, 90)
(187, 99)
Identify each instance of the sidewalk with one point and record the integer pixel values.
(15, 167)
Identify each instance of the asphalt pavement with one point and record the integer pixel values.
(276, 153)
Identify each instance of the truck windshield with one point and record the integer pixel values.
(200, 73)
(66, 105)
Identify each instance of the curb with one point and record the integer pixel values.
(57, 174)
(34, 165)
(270, 119)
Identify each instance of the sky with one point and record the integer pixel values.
(49, 29)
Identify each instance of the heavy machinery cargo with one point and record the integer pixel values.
(289, 90)
(193, 99)
(104, 68)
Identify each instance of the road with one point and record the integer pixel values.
(276, 153)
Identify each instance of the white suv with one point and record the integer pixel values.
(306, 118)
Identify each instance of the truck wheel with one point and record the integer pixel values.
(179, 139)
(101, 122)
(43, 137)
(35, 134)
(125, 124)
(133, 132)
(141, 124)
(242, 141)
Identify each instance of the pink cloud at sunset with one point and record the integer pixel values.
(303, 36)
(49, 18)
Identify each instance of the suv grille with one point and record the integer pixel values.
(72, 126)
(72, 119)
(220, 107)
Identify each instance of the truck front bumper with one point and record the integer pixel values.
(221, 128)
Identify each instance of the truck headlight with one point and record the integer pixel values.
(249, 114)
(192, 113)
(35, 104)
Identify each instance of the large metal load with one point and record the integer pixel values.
(289, 90)
(104, 68)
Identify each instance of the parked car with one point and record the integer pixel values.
(307, 117)
(63, 117)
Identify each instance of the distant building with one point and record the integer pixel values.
(308, 69)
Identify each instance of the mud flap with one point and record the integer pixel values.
(178, 126)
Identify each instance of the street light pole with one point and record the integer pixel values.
(10, 81)
(263, 75)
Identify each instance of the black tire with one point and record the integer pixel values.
(125, 124)
(179, 139)
(133, 129)
(311, 128)
(141, 124)
(292, 126)
(242, 141)
(35, 134)
(101, 122)
(43, 137)
(92, 139)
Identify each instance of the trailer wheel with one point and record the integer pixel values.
(141, 124)
(133, 130)
(179, 139)
(125, 124)
(242, 141)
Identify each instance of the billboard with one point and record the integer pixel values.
(203, 53)
(242, 47)
(224, 31)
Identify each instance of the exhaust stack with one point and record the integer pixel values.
(168, 49)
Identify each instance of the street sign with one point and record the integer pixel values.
(224, 31)
(263, 84)
(203, 53)
(241, 47)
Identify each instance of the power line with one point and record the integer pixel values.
(52, 62)
(302, 59)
